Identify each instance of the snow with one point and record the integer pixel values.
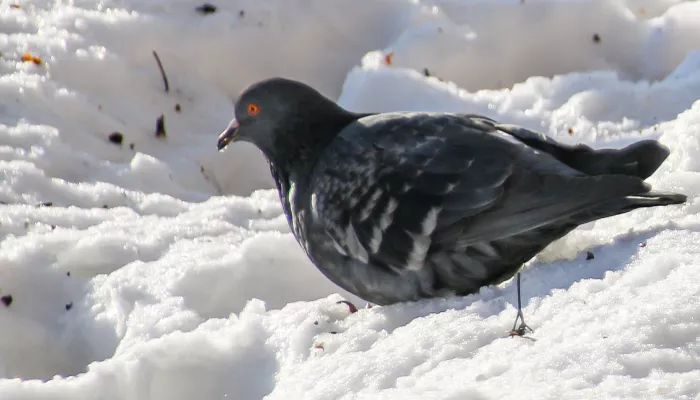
(167, 270)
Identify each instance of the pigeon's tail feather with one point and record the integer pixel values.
(629, 203)
(650, 199)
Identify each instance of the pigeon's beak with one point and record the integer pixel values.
(230, 134)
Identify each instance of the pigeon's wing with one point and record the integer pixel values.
(392, 188)
(640, 159)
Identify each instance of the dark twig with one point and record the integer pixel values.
(162, 72)
(160, 126)
(206, 8)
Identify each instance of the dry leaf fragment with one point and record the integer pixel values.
(29, 57)
(388, 58)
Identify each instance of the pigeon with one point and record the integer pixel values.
(402, 206)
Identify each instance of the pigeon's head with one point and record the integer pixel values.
(275, 113)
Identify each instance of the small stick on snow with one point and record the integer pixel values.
(160, 127)
(162, 72)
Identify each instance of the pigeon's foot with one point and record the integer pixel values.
(522, 329)
(352, 307)
(331, 323)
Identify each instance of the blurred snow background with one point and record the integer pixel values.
(159, 268)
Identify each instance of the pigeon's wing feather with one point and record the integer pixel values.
(392, 188)
(640, 159)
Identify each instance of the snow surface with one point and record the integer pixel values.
(167, 271)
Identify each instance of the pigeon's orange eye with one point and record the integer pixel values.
(253, 109)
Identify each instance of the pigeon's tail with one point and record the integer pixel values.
(640, 160)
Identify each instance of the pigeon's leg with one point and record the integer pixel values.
(522, 329)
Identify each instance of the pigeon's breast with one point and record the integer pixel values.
(297, 213)
(284, 188)
(292, 198)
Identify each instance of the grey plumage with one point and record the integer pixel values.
(401, 206)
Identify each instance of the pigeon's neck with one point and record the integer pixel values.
(298, 147)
